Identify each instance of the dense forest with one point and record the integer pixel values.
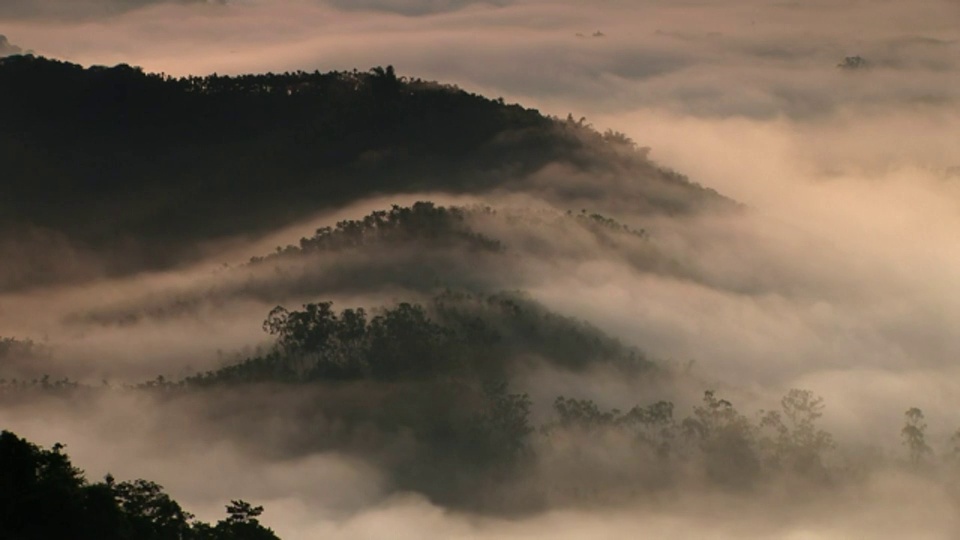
(429, 393)
(123, 170)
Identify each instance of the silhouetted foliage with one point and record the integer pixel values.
(457, 334)
(12, 349)
(716, 442)
(797, 445)
(852, 63)
(241, 524)
(45, 383)
(22, 359)
(43, 496)
(424, 221)
(914, 436)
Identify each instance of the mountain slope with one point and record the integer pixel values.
(118, 170)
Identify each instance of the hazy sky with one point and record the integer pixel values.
(711, 58)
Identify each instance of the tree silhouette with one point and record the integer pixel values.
(914, 436)
(727, 440)
(852, 63)
(241, 524)
(798, 444)
(43, 496)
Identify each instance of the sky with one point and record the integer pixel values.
(841, 278)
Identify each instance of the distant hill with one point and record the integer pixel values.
(113, 170)
(417, 249)
(456, 334)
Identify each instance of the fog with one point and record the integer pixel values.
(837, 276)
(748, 58)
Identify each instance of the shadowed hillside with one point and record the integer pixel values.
(113, 170)
(417, 248)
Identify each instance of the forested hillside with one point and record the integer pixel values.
(123, 170)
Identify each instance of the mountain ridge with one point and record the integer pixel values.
(132, 171)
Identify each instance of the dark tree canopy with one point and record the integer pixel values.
(475, 337)
(43, 496)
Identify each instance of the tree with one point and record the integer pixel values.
(406, 344)
(727, 441)
(914, 436)
(302, 331)
(241, 511)
(656, 425)
(954, 453)
(798, 444)
(583, 414)
(503, 423)
(151, 512)
(241, 524)
(41, 492)
(852, 63)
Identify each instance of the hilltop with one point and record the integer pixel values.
(111, 170)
